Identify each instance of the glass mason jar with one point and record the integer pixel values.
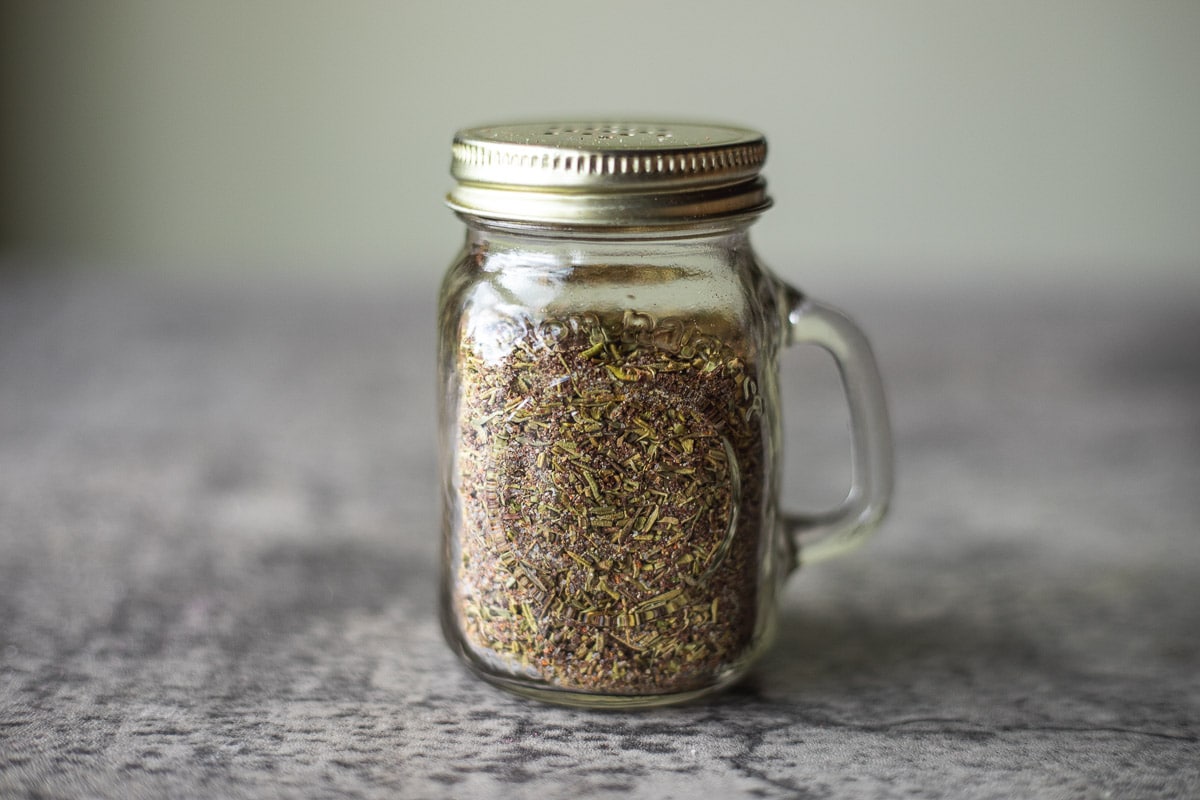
(610, 413)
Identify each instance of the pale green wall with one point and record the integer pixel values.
(961, 141)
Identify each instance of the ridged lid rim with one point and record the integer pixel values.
(603, 173)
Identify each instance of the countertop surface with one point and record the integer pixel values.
(219, 543)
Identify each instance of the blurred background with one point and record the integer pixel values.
(923, 144)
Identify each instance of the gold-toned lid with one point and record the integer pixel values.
(608, 174)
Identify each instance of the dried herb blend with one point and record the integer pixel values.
(610, 476)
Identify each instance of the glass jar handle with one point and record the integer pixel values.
(813, 537)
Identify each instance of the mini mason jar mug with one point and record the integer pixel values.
(610, 413)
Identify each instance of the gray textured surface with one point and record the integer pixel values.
(218, 549)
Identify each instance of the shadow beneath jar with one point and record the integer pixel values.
(819, 653)
(1038, 643)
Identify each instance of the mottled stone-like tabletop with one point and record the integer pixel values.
(219, 542)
